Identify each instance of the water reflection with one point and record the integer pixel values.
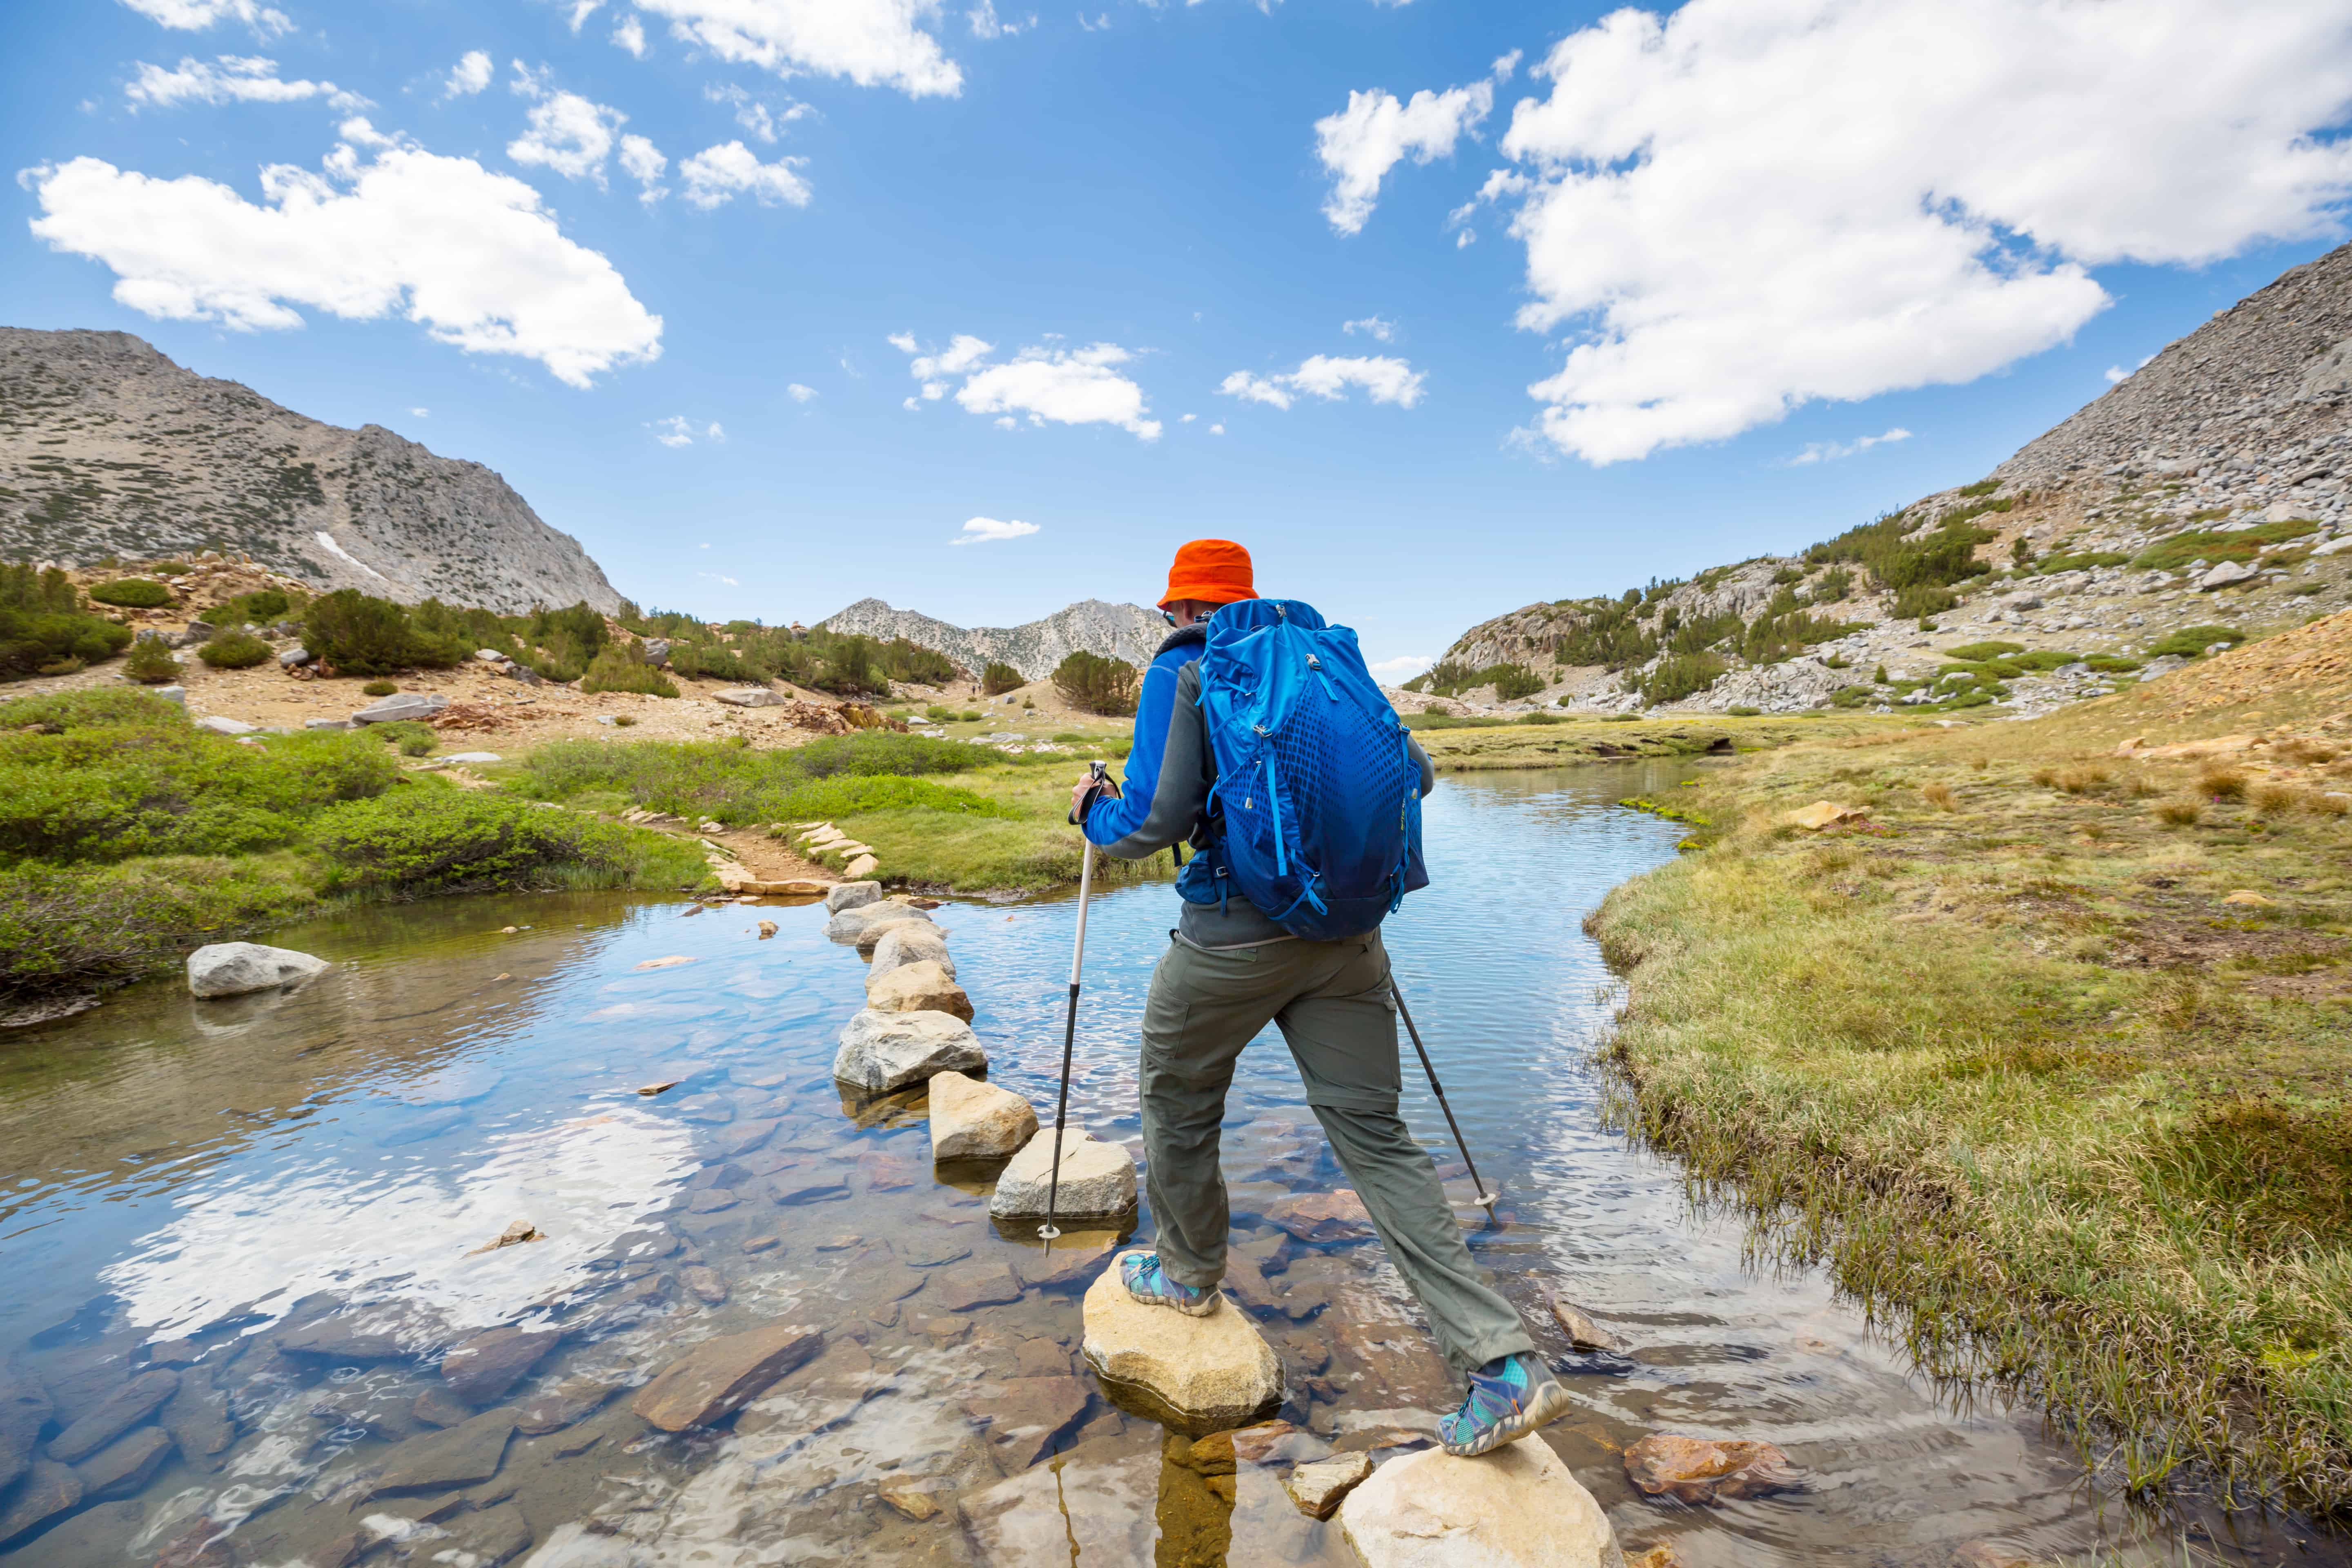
(266, 1214)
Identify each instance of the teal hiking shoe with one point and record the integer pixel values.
(1141, 1273)
(1509, 1398)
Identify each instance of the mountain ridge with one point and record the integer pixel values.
(1127, 632)
(109, 448)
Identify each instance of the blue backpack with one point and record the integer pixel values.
(1319, 801)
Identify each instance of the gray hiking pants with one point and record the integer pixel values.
(1331, 1001)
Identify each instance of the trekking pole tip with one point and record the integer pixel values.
(1487, 1200)
(1048, 1233)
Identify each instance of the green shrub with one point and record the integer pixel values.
(379, 689)
(360, 635)
(1742, 711)
(971, 715)
(1513, 682)
(2173, 553)
(732, 784)
(1853, 695)
(44, 630)
(108, 775)
(1922, 600)
(409, 737)
(1093, 684)
(424, 839)
(1679, 675)
(710, 660)
(622, 668)
(999, 678)
(939, 713)
(2112, 664)
(132, 593)
(74, 927)
(1978, 650)
(151, 663)
(2190, 642)
(262, 606)
(171, 568)
(2050, 565)
(234, 650)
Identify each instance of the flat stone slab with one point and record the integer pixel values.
(717, 1377)
(1704, 1469)
(748, 697)
(402, 705)
(883, 1051)
(1515, 1508)
(1208, 1374)
(469, 1452)
(119, 1412)
(1320, 1488)
(1098, 1179)
(234, 968)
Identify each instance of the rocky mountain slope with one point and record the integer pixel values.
(2198, 504)
(107, 450)
(1127, 632)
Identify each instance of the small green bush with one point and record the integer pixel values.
(2112, 663)
(234, 650)
(132, 593)
(1513, 682)
(622, 668)
(380, 688)
(1742, 711)
(937, 713)
(262, 606)
(1093, 684)
(1853, 695)
(68, 928)
(971, 715)
(999, 678)
(2190, 642)
(151, 663)
(1924, 599)
(2172, 554)
(171, 568)
(409, 737)
(44, 630)
(361, 635)
(1973, 651)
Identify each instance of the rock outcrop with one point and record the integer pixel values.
(1515, 1508)
(108, 448)
(234, 968)
(1193, 1374)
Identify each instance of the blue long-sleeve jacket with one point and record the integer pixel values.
(1165, 799)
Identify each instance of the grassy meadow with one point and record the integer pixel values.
(2045, 1053)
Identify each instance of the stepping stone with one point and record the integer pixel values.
(1098, 1179)
(926, 986)
(908, 942)
(1702, 1471)
(1515, 1508)
(852, 896)
(1320, 1488)
(1191, 1374)
(883, 1051)
(975, 1121)
(718, 1376)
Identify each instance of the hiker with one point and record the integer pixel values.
(1232, 967)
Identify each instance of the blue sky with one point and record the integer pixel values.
(1631, 293)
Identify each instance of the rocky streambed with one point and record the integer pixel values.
(403, 1266)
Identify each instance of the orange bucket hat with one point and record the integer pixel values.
(1210, 571)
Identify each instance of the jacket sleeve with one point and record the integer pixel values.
(1165, 785)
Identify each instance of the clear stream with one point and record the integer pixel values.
(264, 1212)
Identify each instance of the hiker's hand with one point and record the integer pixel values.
(1092, 786)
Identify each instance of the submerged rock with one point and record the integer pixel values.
(479, 1369)
(1324, 1217)
(883, 1051)
(24, 1409)
(48, 1490)
(852, 896)
(1320, 1488)
(197, 1418)
(1026, 1415)
(1704, 1469)
(119, 1412)
(1515, 1508)
(464, 1455)
(1582, 1332)
(975, 1121)
(927, 986)
(1098, 1179)
(1209, 1373)
(234, 968)
(718, 1376)
(909, 943)
(123, 1467)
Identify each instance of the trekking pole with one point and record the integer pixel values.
(1484, 1199)
(1070, 1025)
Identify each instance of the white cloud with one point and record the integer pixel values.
(1404, 667)
(1216, 429)
(1371, 326)
(629, 33)
(581, 11)
(469, 75)
(193, 15)
(569, 134)
(1187, 419)
(1363, 141)
(677, 430)
(800, 394)
(2116, 373)
(472, 256)
(239, 78)
(1385, 380)
(644, 161)
(1101, 23)
(985, 23)
(873, 43)
(1830, 451)
(750, 113)
(717, 176)
(720, 577)
(988, 531)
(1068, 386)
(1726, 246)
(422, 412)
